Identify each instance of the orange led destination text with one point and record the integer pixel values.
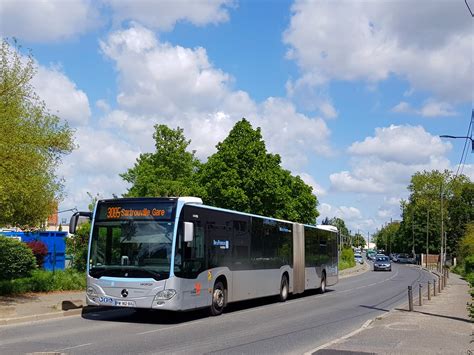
(118, 212)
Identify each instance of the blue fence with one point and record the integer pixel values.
(55, 242)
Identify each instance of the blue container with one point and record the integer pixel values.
(55, 242)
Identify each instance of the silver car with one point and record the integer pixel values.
(382, 263)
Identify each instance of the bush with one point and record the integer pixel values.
(40, 250)
(469, 264)
(77, 246)
(45, 281)
(346, 259)
(16, 259)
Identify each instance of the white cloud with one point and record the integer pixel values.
(430, 108)
(163, 15)
(381, 38)
(61, 96)
(435, 109)
(180, 87)
(101, 152)
(403, 144)
(385, 163)
(345, 181)
(317, 189)
(352, 216)
(47, 20)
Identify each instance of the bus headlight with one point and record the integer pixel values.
(165, 295)
(91, 291)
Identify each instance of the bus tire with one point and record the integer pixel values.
(218, 299)
(322, 288)
(284, 289)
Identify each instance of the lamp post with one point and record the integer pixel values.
(460, 137)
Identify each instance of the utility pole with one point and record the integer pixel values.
(427, 236)
(441, 261)
(413, 234)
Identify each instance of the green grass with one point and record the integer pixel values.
(44, 281)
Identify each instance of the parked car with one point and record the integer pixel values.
(358, 258)
(394, 257)
(382, 263)
(405, 259)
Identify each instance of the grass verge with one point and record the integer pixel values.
(44, 281)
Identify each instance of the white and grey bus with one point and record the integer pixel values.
(178, 254)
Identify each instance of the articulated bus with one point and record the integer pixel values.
(178, 254)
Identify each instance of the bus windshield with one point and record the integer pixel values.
(130, 248)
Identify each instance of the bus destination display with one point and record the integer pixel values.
(135, 211)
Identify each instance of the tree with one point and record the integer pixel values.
(169, 171)
(388, 238)
(32, 143)
(359, 241)
(435, 197)
(242, 176)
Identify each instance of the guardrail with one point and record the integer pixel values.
(439, 282)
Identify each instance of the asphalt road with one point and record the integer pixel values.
(257, 327)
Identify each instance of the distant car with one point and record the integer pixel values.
(382, 263)
(405, 259)
(394, 257)
(370, 255)
(358, 258)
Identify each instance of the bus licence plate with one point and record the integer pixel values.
(125, 303)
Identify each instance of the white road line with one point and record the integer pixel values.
(168, 328)
(73, 347)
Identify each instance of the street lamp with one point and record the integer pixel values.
(461, 137)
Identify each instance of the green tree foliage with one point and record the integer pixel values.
(77, 247)
(359, 241)
(388, 238)
(466, 244)
(16, 259)
(242, 176)
(169, 171)
(423, 211)
(32, 142)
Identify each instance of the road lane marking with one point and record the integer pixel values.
(173, 327)
(73, 347)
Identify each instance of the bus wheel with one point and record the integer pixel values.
(284, 289)
(218, 299)
(322, 289)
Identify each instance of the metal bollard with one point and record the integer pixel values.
(439, 285)
(434, 287)
(410, 299)
(429, 290)
(420, 299)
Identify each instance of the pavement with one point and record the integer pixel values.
(439, 326)
(39, 306)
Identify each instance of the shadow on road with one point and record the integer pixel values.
(152, 316)
(436, 315)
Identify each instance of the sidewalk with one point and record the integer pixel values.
(440, 326)
(39, 306)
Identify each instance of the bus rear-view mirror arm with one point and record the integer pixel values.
(73, 222)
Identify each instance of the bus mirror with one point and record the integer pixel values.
(74, 221)
(188, 231)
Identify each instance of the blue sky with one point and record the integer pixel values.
(352, 95)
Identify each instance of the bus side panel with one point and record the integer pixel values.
(313, 280)
(298, 258)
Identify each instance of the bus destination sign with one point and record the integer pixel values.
(118, 211)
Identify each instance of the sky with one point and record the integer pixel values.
(352, 94)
